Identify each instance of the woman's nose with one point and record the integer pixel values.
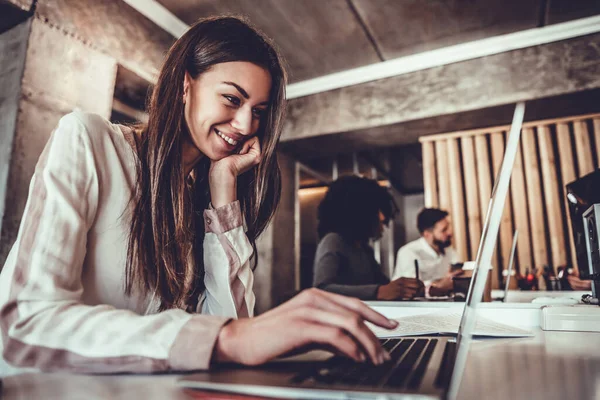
(242, 121)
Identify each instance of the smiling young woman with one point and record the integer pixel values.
(136, 244)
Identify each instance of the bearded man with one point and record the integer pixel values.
(432, 251)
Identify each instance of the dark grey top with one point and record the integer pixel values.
(350, 270)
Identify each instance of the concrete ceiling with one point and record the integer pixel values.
(320, 37)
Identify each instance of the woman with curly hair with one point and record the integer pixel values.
(353, 212)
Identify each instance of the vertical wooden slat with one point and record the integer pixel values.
(456, 198)
(503, 246)
(441, 151)
(429, 175)
(518, 195)
(484, 174)
(583, 148)
(484, 191)
(597, 139)
(472, 195)
(553, 196)
(534, 199)
(567, 168)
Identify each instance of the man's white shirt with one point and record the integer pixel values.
(432, 265)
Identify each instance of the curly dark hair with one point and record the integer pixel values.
(351, 208)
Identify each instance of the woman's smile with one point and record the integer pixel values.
(227, 138)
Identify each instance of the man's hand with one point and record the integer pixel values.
(401, 289)
(313, 317)
(443, 286)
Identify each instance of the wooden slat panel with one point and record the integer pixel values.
(520, 210)
(441, 152)
(472, 195)
(567, 167)
(504, 244)
(583, 148)
(429, 175)
(500, 128)
(457, 197)
(597, 139)
(553, 197)
(534, 199)
(484, 186)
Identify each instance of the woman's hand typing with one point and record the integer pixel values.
(312, 317)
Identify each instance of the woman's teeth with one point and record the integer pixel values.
(229, 140)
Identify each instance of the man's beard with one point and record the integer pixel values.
(442, 244)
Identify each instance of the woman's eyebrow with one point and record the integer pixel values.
(242, 91)
(239, 89)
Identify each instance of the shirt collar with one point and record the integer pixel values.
(426, 247)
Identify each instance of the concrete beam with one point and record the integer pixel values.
(24, 5)
(114, 28)
(378, 107)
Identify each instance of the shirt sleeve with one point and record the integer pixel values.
(43, 321)
(405, 264)
(227, 253)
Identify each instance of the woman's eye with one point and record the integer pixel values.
(258, 113)
(232, 99)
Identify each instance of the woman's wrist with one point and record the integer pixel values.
(223, 351)
(223, 188)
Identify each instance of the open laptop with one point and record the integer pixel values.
(421, 367)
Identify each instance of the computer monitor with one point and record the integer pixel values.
(581, 195)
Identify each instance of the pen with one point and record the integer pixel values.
(416, 268)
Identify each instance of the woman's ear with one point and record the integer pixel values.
(187, 80)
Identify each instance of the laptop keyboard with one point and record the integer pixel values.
(408, 364)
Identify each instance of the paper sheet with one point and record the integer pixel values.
(447, 323)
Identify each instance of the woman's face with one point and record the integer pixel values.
(224, 106)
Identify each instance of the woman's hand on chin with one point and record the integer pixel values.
(237, 164)
(313, 317)
(223, 174)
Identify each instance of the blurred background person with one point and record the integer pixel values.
(353, 212)
(432, 251)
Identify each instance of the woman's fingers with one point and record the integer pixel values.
(252, 146)
(328, 336)
(354, 326)
(355, 305)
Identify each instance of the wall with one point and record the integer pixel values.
(13, 47)
(460, 169)
(61, 73)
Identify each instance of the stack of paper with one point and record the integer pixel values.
(447, 324)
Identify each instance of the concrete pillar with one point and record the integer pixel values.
(277, 275)
(61, 73)
(13, 47)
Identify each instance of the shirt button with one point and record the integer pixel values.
(208, 221)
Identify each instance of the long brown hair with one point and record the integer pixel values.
(165, 249)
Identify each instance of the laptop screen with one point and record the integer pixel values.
(485, 252)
